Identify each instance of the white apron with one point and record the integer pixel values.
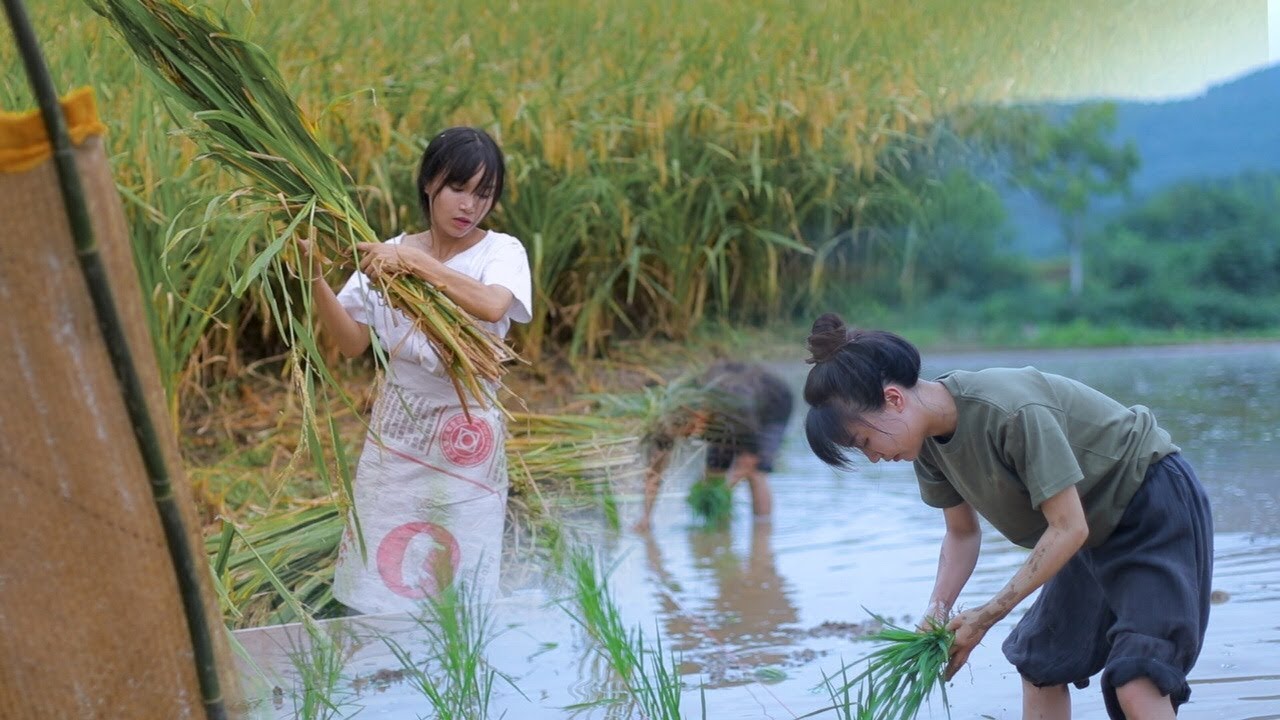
(431, 495)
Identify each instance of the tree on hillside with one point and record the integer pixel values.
(1068, 164)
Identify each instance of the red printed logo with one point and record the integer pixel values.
(464, 443)
(436, 570)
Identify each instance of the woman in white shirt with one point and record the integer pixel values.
(431, 485)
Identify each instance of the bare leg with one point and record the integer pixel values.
(658, 461)
(747, 466)
(761, 496)
(1045, 703)
(1141, 700)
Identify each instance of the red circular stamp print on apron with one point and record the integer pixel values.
(466, 443)
(437, 569)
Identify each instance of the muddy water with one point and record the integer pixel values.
(758, 612)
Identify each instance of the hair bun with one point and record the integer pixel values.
(829, 334)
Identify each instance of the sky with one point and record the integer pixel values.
(1154, 51)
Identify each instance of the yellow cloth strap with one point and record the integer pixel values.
(24, 143)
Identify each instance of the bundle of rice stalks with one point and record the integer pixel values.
(248, 122)
(569, 452)
(560, 464)
(901, 674)
(711, 501)
(280, 569)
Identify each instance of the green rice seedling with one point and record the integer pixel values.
(657, 686)
(711, 500)
(455, 676)
(900, 674)
(598, 614)
(318, 667)
(651, 678)
(843, 703)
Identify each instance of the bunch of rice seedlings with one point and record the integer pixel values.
(598, 614)
(664, 413)
(319, 672)
(249, 123)
(654, 685)
(900, 675)
(711, 500)
(455, 676)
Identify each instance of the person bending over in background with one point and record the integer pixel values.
(742, 416)
(1119, 527)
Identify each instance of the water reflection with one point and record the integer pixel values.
(743, 623)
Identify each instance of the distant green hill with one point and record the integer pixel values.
(1231, 129)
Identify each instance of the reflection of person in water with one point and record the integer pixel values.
(748, 613)
(742, 417)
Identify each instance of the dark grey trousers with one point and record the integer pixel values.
(1135, 606)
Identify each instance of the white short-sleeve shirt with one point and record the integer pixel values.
(498, 259)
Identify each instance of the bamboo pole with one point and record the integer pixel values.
(185, 563)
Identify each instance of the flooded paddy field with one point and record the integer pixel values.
(758, 612)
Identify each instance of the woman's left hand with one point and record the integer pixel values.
(970, 627)
(385, 260)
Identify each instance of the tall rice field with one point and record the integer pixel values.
(670, 162)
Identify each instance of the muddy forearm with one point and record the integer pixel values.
(1066, 534)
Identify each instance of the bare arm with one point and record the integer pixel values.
(351, 337)
(959, 555)
(1066, 534)
(486, 302)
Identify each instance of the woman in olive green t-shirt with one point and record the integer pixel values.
(1112, 513)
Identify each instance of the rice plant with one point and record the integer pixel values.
(900, 675)
(657, 686)
(711, 501)
(598, 615)
(284, 533)
(652, 678)
(845, 705)
(318, 667)
(671, 163)
(454, 676)
(280, 569)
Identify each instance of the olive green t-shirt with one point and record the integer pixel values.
(1022, 436)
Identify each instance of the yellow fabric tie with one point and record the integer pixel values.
(24, 143)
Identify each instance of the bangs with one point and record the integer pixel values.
(460, 169)
(453, 157)
(825, 426)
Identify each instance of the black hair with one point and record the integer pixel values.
(850, 371)
(454, 156)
